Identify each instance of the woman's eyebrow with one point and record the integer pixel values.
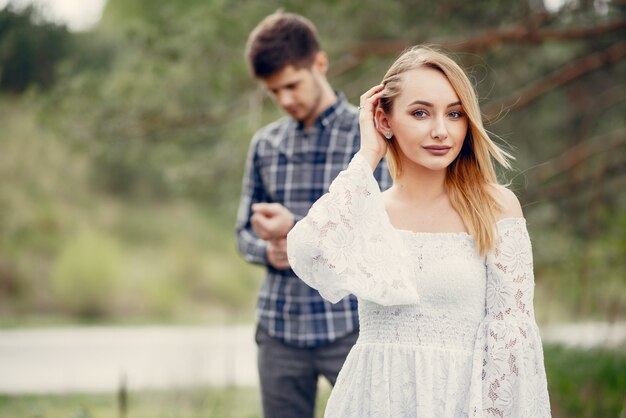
(422, 102)
(429, 104)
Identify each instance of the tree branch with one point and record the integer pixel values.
(520, 33)
(524, 34)
(573, 187)
(562, 76)
(579, 153)
(572, 158)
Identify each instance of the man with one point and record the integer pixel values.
(290, 165)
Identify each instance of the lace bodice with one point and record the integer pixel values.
(452, 296)
(436, 317)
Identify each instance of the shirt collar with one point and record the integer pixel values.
(330, 114)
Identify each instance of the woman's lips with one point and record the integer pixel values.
(437, 149)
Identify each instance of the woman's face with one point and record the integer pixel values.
(427, 121)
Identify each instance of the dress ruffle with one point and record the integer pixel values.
(508, 378)
(344, 246)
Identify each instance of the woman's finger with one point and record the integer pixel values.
(368, 94)
(372, 90)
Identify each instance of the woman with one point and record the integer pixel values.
(441, 262)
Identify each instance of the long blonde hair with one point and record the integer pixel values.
(471, 176)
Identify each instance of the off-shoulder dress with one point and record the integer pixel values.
(444, 332)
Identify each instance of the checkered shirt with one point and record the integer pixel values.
(294, 167)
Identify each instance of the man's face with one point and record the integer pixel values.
(297, 91)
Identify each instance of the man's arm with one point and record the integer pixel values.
(272, 222)
(251, 247)
(382, 176)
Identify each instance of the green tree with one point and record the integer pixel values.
(158, 102)
(29, 49)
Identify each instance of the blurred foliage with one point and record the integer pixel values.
(85, 274)
(142, 137)
(586, 383)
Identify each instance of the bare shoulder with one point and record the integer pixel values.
(509, 203)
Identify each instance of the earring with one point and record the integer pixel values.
(388, 135)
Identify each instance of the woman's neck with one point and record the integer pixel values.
(420, 185)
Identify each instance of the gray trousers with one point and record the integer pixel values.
(289, 374)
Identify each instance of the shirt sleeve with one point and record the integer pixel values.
(382, 175)
(251, 247)
(508, 359)
(346, 243)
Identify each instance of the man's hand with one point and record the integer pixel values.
(271, 221)
(277, 254)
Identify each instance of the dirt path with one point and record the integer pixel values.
(97, 359)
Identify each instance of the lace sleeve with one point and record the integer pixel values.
(346, 243)
(509, 354)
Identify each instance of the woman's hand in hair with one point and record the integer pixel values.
(373, 144)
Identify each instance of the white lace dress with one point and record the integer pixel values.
(443, 331)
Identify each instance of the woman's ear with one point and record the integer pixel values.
(382, 122)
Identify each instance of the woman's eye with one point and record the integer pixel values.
(455, 114)
(419, 113)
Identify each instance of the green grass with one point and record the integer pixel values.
(189, 403)
(586, 383)
(180, 403)
(583, 384)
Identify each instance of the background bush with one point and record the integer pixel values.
(138, 134)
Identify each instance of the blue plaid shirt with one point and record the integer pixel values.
(294, 167)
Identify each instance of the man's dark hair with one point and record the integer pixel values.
(280, 40)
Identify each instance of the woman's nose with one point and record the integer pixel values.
(439, 131)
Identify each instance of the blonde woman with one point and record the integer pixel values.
(441, 263)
